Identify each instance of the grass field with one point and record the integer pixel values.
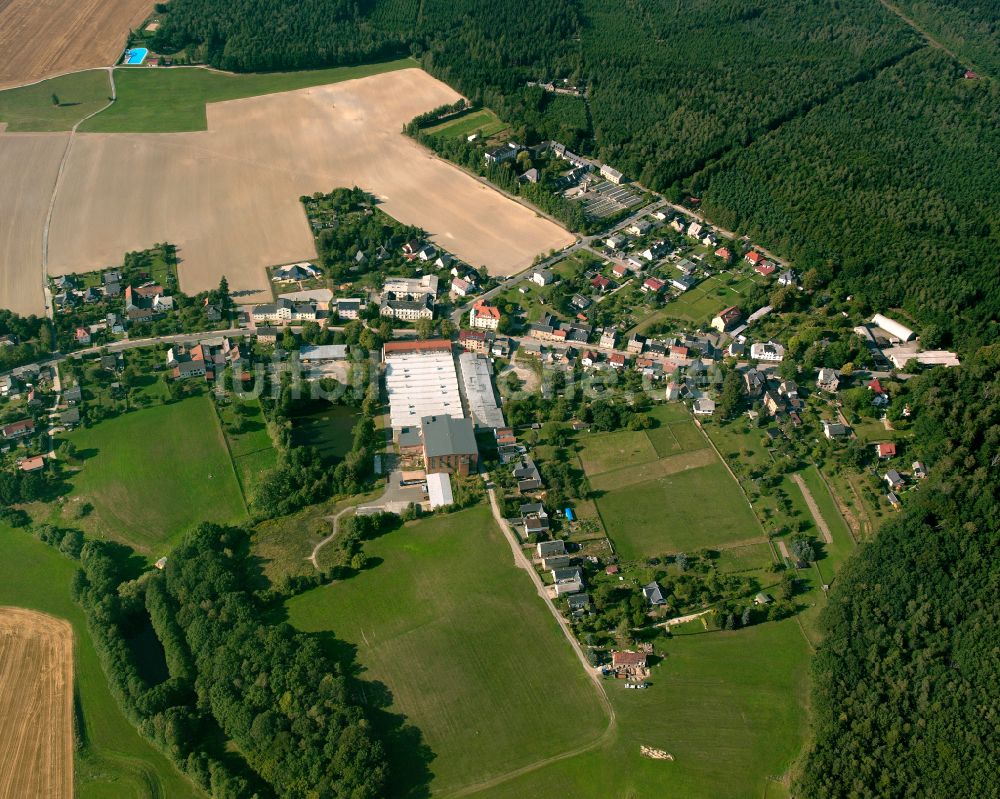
(483, 121)
(252, 450)
(153, 474)
(729, 707)
(680, 512)
(466, 648)
(31, 107)
(603, 452)
(114, 761)
(700, 304)
(173, 100)
(36, 704)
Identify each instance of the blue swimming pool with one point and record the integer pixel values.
(136, 55)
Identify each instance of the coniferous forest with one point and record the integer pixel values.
(836, 135)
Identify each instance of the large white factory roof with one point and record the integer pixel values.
(421, 384)
(478, 388)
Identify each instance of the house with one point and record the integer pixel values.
(588, 358)
(348, 307)
(886, 450)
(789, 390)
(612, 175)
(462, 288)
(427, 253)
(527, 475)
(765, 268)
(686, 266)
(546, 549)
(636, 343)
(827, 380)
(72, 395)
(893, 500)
(70, 418)
(283, 311)
(919, 472)
(694, 230)
(704, 407)
(763, 599)
(567, 573)
(753, 258)
(578, 602)
(25, 427)
(500, 348)
(640, 227)
(484, 317)
(213, 313)
(449, 444)
(542, 277)
(602, 283)
(580, 302)
(708, 239)
(474, 340)
(614, 242)
(617, 360)
(683, 283)
(115, 323)
(654, 594)
(571, 586)
(444, 261)
(555, 561)
(724, 254)
(772, 404)
(657, 250)
(834, 430)
(505, 152)
(619, 270)
(267, 335)
(894, 479)
(531, 176)
(736, 349)
(727, 318)
(767, 351)
(875, 386)
(295, 272)
(162, 303)
(111, 363)
(31, 464)
(82, 335)
(677, 224)
(787, 278)
(753, 382)
(653, 285)
(628, 660)
(9, 385)
(406, 307)
(608, 336)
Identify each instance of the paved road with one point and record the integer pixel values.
(335, 521)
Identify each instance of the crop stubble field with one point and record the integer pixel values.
(229, 196)
(36, 705)
(47, 37)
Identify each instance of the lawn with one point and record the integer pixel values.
(172, 100)
(484, 122)
(680, 512)
(252, 450)
(603, 452)
(115, 761)
(729, 707)
(31, 108)
(467, 649)
(699, 304)
(153, 474)
(675, 437)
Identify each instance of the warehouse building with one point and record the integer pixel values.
(477, 387)
(420, 381)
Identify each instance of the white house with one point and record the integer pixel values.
(694, 230)
(767, 351)
(640, 227)
(542, 277)
(484, 317)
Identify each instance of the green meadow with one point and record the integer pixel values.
(151, 475)
(465, 647)
(34, 108)
(114, 760)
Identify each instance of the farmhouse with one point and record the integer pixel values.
(628, 660)
(420, 380)
(295, 272)
(527, 475)
(545, 549)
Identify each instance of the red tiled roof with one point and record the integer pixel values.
(886, 450)
(724, 253)
(490, 311)
(427, 345)
(764, 269)
(753, 257)
(875, 386)
(654, 284)
(32, 464)
(628, 659)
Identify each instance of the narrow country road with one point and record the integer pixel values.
(813, 508)
(335, 521)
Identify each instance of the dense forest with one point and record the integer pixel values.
(969, 28)
(890, 190)
(906, 697)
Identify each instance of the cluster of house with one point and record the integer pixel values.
(69, 293)
(409, 299)
(24, 380)
(567, 579)
(208, 358)
(484, 342)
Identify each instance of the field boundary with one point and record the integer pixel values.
(646, 472)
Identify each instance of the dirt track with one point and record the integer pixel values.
(40, 38)
(229, 196)
(36, 705)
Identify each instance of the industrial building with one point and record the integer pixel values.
(449, 445)
(893, 328)
(477, 387)
(420, 380)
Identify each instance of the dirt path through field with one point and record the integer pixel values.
(36, 705)
(813, 508)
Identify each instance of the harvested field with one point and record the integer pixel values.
(39, 38)
(36, 705)
(28, 164)
(229, 196)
